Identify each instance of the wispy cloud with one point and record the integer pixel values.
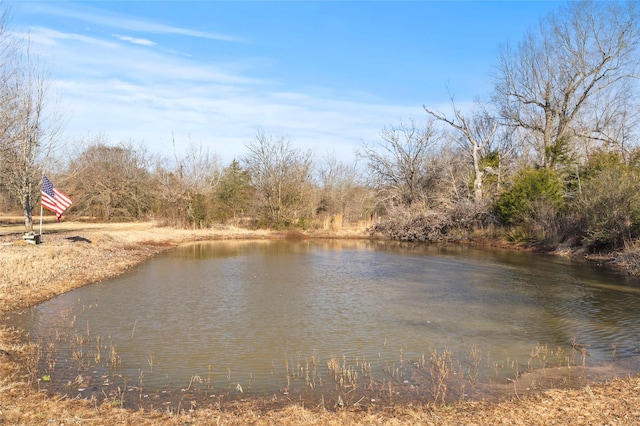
(128, 92)
(107, 19)
(50, 37)
(135, 40)
(76, 56)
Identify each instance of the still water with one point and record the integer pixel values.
(244, 312)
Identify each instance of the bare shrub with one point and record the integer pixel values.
(468, 215)
(403, 225)
(610, 205)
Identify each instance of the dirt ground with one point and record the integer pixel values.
(75, 254)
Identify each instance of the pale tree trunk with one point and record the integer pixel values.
(28, 217)
(478, 132)
(478, 174)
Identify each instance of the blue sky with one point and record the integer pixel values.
(329, 75)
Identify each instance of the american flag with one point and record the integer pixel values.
(53, 199)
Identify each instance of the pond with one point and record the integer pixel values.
(266, 317)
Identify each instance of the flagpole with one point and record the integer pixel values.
(41, 207)
(40, 221)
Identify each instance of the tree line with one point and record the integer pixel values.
(551, 157)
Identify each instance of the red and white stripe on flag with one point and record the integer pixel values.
(52, 199)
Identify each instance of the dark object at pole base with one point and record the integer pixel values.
(31, 238)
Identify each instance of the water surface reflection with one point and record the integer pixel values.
(242, 312)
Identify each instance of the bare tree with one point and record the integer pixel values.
(477, 133)
(397, 165)
(281, 176)
(342, 189)
(614, 128)
(199, 169)
(185, 189)
(545, 83)
(9, 49)
(110, 181)
(31, 123)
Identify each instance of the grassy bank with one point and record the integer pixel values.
(75, 254)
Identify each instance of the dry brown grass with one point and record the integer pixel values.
(74, 254)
